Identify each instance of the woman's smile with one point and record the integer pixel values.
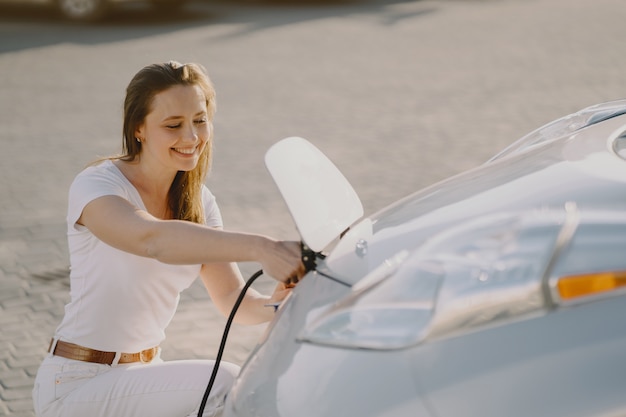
(186, 151)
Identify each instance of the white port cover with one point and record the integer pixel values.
(322, 202)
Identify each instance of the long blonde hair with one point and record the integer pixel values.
(185, 193)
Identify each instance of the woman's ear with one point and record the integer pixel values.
(139, 133)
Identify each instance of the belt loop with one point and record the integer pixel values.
(116, 359)
(53, 346)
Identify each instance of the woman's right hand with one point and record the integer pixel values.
(282, 260)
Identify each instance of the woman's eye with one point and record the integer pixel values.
(176, 126)
(200, 121)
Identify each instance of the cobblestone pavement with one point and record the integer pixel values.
(398, 93)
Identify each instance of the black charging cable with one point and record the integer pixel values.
(218, 359)
(308, 257)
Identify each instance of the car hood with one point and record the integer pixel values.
(584, 167)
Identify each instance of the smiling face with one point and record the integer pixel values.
(176, 130)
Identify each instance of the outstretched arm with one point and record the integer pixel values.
(118, 223)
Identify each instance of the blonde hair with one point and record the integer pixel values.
(185, 193)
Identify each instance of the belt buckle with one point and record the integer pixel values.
(146, 356)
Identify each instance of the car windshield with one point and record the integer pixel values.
(565, 126)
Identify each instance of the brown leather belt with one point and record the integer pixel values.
(80, 353)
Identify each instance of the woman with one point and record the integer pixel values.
(141, 228)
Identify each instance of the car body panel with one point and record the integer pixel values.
(560, 358)
(543, 177)
(557, 343)
(559, 364)
(323, 392)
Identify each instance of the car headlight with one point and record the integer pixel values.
(478, 273)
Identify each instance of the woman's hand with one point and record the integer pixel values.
(281, 291)
(283, 261)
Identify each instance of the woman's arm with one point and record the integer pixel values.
(118, 223)
(224, 283)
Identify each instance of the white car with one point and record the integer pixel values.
(498, 292)
(92, 10)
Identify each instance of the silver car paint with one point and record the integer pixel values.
(540, 365)
(580, 168)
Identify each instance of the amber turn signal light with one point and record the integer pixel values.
(577, 286)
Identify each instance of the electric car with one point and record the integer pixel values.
(498, 292)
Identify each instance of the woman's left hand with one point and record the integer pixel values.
(281, 291)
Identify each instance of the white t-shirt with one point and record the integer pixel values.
(120, 302)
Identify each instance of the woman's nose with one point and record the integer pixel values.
(190, 134)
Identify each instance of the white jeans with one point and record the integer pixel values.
(69, 388)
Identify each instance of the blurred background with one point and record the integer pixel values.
(398, 93)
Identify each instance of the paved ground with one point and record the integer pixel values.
(398, 93)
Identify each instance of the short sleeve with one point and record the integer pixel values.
(212, 214)
(91, 183)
